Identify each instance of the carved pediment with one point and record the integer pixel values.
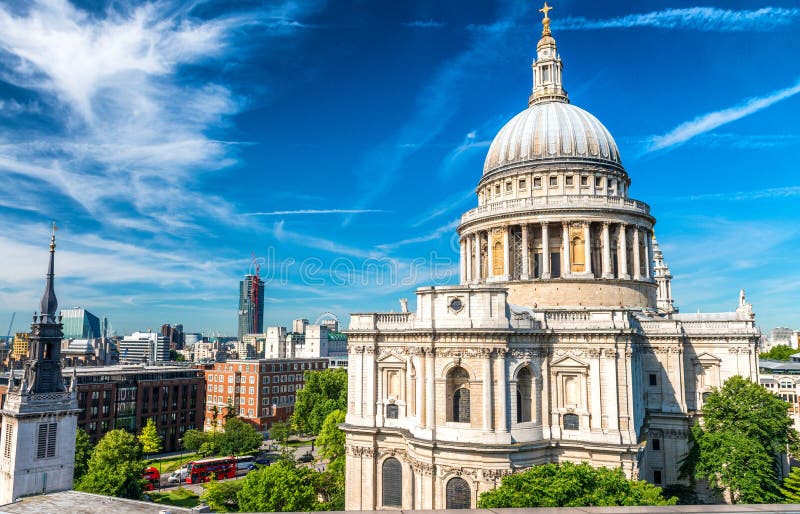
(568, 361)
(391, 358)
(706, 358)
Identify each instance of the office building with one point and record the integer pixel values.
(251, 306)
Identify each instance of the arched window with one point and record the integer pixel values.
(457, 494)
(524, 383)
(392, 483)
(458, 395)
(578, 254)
(498, 259)
(571, 422)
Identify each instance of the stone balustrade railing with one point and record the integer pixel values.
(569, 201)
(381, 321)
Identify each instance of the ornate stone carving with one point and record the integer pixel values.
(445, 470)
(422, 468)
(362, 451)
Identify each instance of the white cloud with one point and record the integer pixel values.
(130, 144)
(694, 18)
(424, 24)
(445, 230)
(314, 211)
(707, 122)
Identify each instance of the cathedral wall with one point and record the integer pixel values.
(582, 293)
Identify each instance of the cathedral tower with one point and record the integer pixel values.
(37, 453)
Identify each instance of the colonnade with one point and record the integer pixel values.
(532, 251)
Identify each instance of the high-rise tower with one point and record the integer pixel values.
(37, 452)
(251, 305)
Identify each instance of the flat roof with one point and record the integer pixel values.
(76, 502)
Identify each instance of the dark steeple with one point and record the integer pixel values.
(43, 370)
(49, 304)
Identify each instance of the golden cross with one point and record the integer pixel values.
(546, 9)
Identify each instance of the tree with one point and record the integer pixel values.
(324, 392)
(239, 437)
(281, 487)
(791, 486)
(115, 468)
(149, 438)
(214, 418)
(737, 447)
(175, 356)
(280, 431)
(779, 352)
(83, 452)
(571, 485)
(331, 438)
(230, 411)
(222, 496)
(193, 439)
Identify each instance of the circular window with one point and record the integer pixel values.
(456, 304)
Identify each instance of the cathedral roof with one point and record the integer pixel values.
(551, 130)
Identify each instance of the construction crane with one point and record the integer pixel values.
(10, 328)
(254, 294)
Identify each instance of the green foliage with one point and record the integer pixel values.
(280, 432)
(331, 439)
(737, 447)
(239, 437)
(214, 418)
(178, 497)
(149, 438)
(193, 439)
(330, 487)
(175, 356)
(571, 485)
(791, 486)
(281, 487)
(222, 496)
(779, 352)
(115, 468)
(83, 452)
(324, 392)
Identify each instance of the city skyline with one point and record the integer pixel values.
(302, 132)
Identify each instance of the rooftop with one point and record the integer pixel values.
(76, 502)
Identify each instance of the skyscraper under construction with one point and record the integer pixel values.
(251, 305)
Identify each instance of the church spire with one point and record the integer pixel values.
(49, 303)
(547, 67)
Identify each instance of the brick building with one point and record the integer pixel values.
(262, 390)
(125, 397)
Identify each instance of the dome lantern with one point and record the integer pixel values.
(547, 67)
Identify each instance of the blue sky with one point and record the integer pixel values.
(339, 142)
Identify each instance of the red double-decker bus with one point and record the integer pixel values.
(203, 470)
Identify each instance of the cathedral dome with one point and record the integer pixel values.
(551, 130)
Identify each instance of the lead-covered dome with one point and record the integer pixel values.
(551, 130)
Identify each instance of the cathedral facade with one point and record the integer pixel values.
(561, 343)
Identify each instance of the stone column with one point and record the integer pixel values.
(507, 253)
(487, 392)
(648, 250)
(622, 249)
(525, 253)
(566, 266)
(607, 272)
(637, 258)
(421, 385)
(587, 246)
(463, 260)
(469, 254)
(489, 255)
(430, 393)
(545, 251)
(476, 277)
(502, 389)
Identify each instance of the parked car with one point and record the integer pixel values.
(306, 457)
(178, 476)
